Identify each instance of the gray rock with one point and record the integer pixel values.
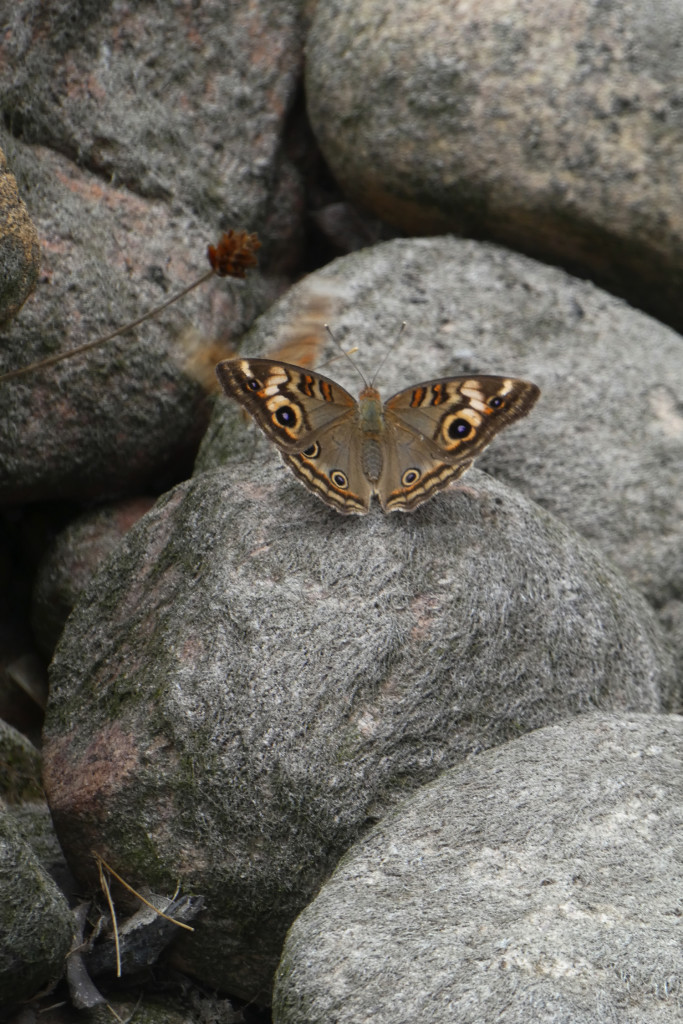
(671, 618)
(19, 250)
(145, 113)
(252, 679)
(189, 1008)
(36, 926)
(539, 881)
(20, 766)
(122, 417)
(555, 129)
(33, 823)
(23, 803)
(70, 562)
(603, 447)
(181, 105)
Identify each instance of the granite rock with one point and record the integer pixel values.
(554, 129)
(251, 680)
(537, 881)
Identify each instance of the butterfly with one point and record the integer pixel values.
(403, 450)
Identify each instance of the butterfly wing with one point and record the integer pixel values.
(435, 431)
(331, 468)
(310, 419)
(291, 405)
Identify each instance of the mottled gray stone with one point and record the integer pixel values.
(36, 926)
(554, 128)
(23, 802)
(184, 104)
(33, 823)
(20, 766)
(70, 562)
(540, 881)
(124, 417)
(251, 680)
(137, 134)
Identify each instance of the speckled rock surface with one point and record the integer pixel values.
(252, 682)
(555, 129)
(20, 766)
(35, 922)
(180, 103)
(252, 679)
(137, 134)
(70, 562)
(538, 881)
(23, 802)
(123, 417)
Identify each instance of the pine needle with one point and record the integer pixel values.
(102, 862)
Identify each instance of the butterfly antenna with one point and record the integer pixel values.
(333, 359)
(346, 355)
(388, 352)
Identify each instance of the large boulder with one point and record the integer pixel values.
(251, 680)
(538, 881)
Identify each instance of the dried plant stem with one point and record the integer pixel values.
(101, 862)
(105, 888)
(51, 360)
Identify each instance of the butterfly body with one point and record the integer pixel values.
(347, 450)
(372, 428)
